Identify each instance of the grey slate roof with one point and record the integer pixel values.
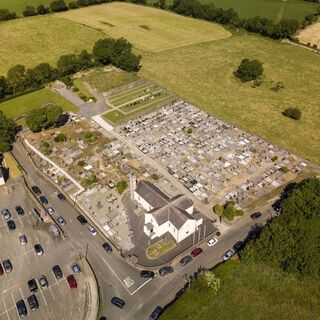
(165, 209)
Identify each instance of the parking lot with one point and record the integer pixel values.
(57, 301)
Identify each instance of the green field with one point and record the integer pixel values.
(42, 39)
(104, 81)
(82, 90)
(166, 30)
(203, 74)
(20, 105)
(250, 292)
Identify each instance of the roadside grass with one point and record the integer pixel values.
(159, 248)
(249, 291)
(165, 30)
(14, 171)
(203, 75)
(42, 39)
(23, 104)
(107, 80)
(114, 116)
(82, 89)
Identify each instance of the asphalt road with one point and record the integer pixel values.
(117, 278)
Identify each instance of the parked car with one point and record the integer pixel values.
(180, 293)
(57, 272)
(50, 210)
(38, 249)
(11, 225)
(212, 242)
(44, 200)
(195, 252)
(43, 281)
(32, 284)
(75, 268)
(19, 210)
(107, 247)
(92, 230)
(33, 302)
(72, 282)
(238, 246)
(36, 190)
(147, 274)
(156, 313)
(6, 214)
(61, 197)
(185, 260)
(165, 270)
(21, 308)
(61, 220)
(118, 302)
(23, 240)
(227, 255)
(1, 270)
(7, 265)
(255, 215)
(82, 219)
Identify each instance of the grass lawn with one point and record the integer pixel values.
(114, 116)
(161, 30)
(159, 248)
(249, 292)
(14, 171)
(20, 105)
(203, 74)
(82, 89)
(104, 81)
(34, 40)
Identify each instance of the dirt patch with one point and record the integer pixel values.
(311, 35)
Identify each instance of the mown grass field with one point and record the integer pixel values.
(42, 39)
(250, 292)
(150, 30)
(20, 105)
(203, 74)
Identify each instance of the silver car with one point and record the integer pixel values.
(6, 214)
(23, 240)
(228, 255)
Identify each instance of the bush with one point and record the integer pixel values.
(29, 11)
(58, 5)
(81, 163)
(293, 113)
(60, 138)
(274, 158)
(88, 135)
(284, 169)
(41, 9)
(249, 70)
(121, 186)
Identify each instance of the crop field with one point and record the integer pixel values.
(20, 105)
(142, 97)
(39, 39)
(203, 74)
(149, 29)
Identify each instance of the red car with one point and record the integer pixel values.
(196, 252)
(72, 282)
(1, 270)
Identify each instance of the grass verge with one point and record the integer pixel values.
(159, 248)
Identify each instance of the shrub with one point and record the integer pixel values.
(58, 5)
(284, 169)
(274, 158)
(90, 181)
(81, 163)
(60, 138)
(154, 177)
(121, 186)
(88, 135)
(293, 113)
(249, 70)
(29, 11)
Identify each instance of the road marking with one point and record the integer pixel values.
(21, 294)
(140, 286)
(14, 303)
(54, 298)
(6, 308)
(128, 282)
(45, 301)
(70, 221)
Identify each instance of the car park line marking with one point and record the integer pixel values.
(140, 286)
(54, 298)
(6, 308)
(45, 301)
(14, 302)
(21, 294)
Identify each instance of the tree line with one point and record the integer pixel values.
(118, 52)
(283, 29)
(291, 241)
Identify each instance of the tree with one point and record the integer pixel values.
(68, 64)
(218, 210)
(139, 1)
(5, 15)
(58, 5)
(293, 113)
(128, 62)
(3, 87)
(8, 131)
(291, 241)
(29, 11)
(73, 5)
(43, 118)
(85, 60)
(249, 70)
(103, 50)
(16, 78)
(41, 9)
(162, 4)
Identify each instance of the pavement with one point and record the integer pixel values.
(116, 277)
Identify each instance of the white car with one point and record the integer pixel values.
(92, 230)
(50, 210)
(212, 242)
(228, 255)
(61, 220)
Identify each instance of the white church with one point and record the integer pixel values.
(163, 214)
